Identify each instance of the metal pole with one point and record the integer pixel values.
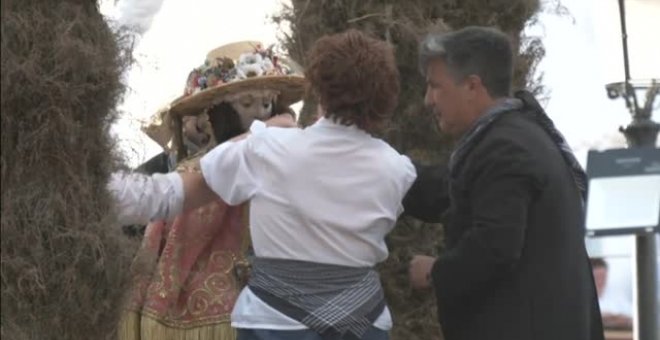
(647, 323)
(647, 288)
(630, 92)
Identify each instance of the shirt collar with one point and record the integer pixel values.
(326, 123)
(500, 106)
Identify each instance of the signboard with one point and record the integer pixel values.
(624, 191)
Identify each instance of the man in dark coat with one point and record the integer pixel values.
(511, 200)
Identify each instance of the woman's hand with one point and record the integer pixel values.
(285, 120)
(194, 130)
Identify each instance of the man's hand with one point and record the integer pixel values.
(617, 321)
(420, 271)
(283, 121)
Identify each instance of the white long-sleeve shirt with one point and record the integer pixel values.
(328, 194)
(142, 198)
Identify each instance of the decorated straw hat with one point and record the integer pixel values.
(235, 68)
(228, 71)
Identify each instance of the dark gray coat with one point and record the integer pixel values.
(515, 265)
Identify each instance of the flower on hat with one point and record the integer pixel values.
(250, 59)
(260, 62)
(248, 71)
(254, 64)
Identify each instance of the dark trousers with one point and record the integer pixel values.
(304, 334)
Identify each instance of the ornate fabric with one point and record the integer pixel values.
(186, 273)
(194, 281)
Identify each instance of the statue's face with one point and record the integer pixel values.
(253, 106)
(222, 123)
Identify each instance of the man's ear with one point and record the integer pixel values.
(474, 82)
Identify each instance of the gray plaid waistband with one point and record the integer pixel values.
(338, 302)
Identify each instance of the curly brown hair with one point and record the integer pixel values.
(355, 78)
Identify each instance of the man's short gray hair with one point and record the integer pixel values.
(481, 51)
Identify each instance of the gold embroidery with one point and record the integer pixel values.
(194, 299)
(215, 296)
(199, 301)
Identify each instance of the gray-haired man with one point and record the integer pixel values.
(515, 265)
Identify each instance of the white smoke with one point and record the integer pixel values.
(138, 14)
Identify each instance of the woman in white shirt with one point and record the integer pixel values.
(322, 200)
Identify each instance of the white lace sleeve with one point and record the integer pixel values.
(142, 198)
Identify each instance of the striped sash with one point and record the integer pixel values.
(338, 302)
